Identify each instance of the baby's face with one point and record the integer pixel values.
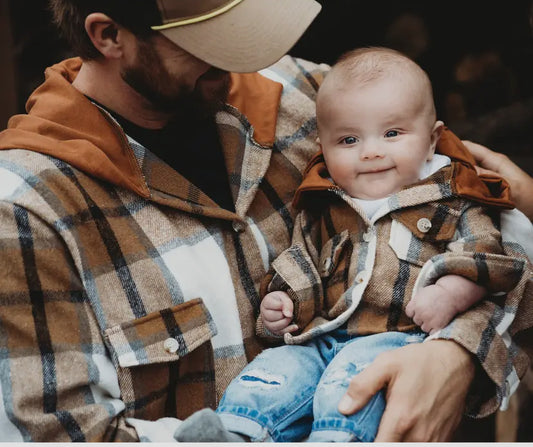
(376, 136)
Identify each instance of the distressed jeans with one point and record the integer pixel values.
(290, 393)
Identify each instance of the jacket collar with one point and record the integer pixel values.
(63, 123)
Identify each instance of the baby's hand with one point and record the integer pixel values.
(276, 313)
(434, 306)
(430, 309)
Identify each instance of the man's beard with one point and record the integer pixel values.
(149, 78)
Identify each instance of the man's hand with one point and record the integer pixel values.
(426, 386)
(276, 312)
(521, 182)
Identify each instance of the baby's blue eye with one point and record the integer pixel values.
(349, 140)
(391, 134)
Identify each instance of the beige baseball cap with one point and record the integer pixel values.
(236, 35)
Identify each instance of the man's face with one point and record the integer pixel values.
(175, 81)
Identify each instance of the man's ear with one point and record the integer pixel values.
(104, 34)
(436, 132)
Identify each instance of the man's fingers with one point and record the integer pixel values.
(479, 152)
(486, 157)
(363, 386)
(389, 429)
(481, 171)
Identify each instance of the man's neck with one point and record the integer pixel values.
(109, 89)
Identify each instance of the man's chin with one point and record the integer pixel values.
(212, 90)
(190, 108)
(208, 98)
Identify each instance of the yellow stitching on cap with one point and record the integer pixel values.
(197, 19)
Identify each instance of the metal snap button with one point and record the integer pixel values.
(360, 277)
(238, 226)
(423, 224)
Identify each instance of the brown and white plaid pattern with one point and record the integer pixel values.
(96, 279)
(343, 268)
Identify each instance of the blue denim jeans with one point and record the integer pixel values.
(289, 393)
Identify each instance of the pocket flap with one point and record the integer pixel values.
(434, 222)
(330, 253)
(163, 336)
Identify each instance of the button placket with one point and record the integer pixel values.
(360, 277)
(238, 226)
(367, 236)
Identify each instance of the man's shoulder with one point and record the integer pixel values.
(290, 69)
(29, 178)
(24, 162)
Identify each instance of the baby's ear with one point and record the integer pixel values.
(436, 132)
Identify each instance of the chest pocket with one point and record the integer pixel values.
(420, 233)
(160, 358)
(163, 336)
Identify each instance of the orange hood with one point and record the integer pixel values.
(486, 189)
(63, 123)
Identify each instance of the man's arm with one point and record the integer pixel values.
(57, 380)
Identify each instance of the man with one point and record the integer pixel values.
(143, 196)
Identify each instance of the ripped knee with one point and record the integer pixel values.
(342, 376)
(259, 378)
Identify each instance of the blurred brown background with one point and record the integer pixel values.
(479, 55)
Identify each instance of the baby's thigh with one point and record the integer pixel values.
(280, 377)
(353, 358)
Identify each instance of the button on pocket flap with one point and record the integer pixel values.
(162, 336)
(434, 222)
(331, 252)
(409, 247)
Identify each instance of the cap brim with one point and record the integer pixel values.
(250, 36)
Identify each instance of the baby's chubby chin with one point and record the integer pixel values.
(373, 190)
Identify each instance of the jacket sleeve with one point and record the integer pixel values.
(489, 329)
(57, 381)
(295, 272)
